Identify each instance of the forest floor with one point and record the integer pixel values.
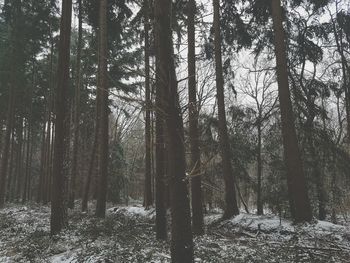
(127, 235)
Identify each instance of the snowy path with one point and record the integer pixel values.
(127, 235)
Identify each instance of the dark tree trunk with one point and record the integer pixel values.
(19, 161)
(29, 141)
(181, 234)
(103, 149)
(90, 171)
(260, 209)
(161, 220)
(298, 195)
(72, 189)
(195, 164)
(231, 207)
(10, 168)
(58, 206)
(148, 201)
(94, 158)
(42, 165)
(6, 147)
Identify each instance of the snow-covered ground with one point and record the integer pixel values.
(127, 235)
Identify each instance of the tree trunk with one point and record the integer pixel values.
(260, 210)
(181, 234)
(298, 195)
(103, 154)
(76, 112)
(19, 161)
(195, 164)
(5, 151)
(29, 141)
(10, 168)
(231, 207)
(161, 221)
(58, 206)
(148, 201)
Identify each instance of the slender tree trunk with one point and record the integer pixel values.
(90, 170)
(94, 157)
(195, 164)
(260, 210)
(10, 168)
(76, 112)
(103, 86)
(47, 156)
(27, 168)
(298, 195)
(148, 201)
(231, 208)
(19, 161)
(181, 234)
(58, 206)
(29, 141)
(5, 150)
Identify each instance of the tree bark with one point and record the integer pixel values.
(260, 210)
(76, 111)
(181, 234)
(58, 206)
(231, 206)
(160, 156)
(103, 154)
(5, 151)
(297, 190)
(195, 162)
(148, 201)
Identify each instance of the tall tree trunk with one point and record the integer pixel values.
(298, 195)
(148, 198)
(15, 53)
(231, 208)
(10, 168)
(181, 234)
(28, 139)
(161, 221)
(93, 157)
(260, 209)
(76, 111)
(47, 156)
(195, 164)
(58, 206)
(19, 161)
(5, 150)
(103, 154)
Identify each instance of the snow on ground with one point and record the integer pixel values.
(127, 235)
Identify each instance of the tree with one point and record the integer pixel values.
(196, 185)
(231, 207)
(298, 195)
(259, 89)
(161, 221)
(103, 86)
(148, 198)
(181, 234)
(58, 206)
(76, 110)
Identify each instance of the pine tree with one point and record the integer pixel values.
(103, 87)
(181, 234)
(231, 207)
(298, 195)
(148, 198)
(195, 166)
(58, 206)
